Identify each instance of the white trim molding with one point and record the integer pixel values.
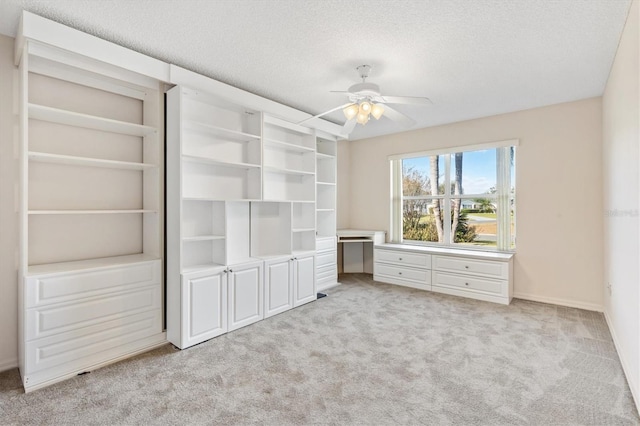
(631, 381)
(558, 301)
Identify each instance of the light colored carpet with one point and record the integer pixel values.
(368, 353)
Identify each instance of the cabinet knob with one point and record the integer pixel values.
(400, 258)
(399, 273)
(466, 266)
(466, 283)
(230, 270)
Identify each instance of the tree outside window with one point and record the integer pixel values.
(476, 210)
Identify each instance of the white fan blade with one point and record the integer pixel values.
(410, 100)
(348, 127)
(340, 91)
(326, 112)
(397, 116)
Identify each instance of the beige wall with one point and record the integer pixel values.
(559, 192)
(8, 216)
(620, 130)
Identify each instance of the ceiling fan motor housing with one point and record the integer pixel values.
(363, 90)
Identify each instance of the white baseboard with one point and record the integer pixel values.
(633, 384)
(327, 286)
(561, 302)
(8, 364)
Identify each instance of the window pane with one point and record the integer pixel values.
(475, 223)
(421, 221)
(418, 173)
(473, 172)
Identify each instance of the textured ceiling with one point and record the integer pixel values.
(472, 58)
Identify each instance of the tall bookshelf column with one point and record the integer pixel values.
(214, 171)
(91, 213)
(326, 179)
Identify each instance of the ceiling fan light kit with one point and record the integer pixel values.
(365, 101)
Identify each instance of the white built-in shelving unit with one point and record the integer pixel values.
(326, 182)
(91, 203)
(240, 202)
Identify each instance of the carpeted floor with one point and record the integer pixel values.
(368, 353)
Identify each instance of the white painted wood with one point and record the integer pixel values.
(82, 161)
(402, 272)
(102, 357)
(204, 307)
(90, 50)
(485, 268)
(468, 273)
(90, 203)
(403, 258)
(471, 283)
(278, 285)
(54, 288)
(304, 271)
(70, 118)
(246, 292)
(326, 243)
(326, 258)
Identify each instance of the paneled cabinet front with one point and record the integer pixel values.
(304, 289)
(245, 294)
(204, 304)
(278, 286)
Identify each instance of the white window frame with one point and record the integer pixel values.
(502, 195)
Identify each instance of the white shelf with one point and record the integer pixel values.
(325, 210)
(286, 146)
(67, 212)
(325, 183)
(287, 171)
(210, 199)
(321, 156)
(44, 157)
(303, 230)
(302, 252)
(211, 161)
(203, 238)
(78, 265)
(228, 134)
(200, 267)
(76, 119)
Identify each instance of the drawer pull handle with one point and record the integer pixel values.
(466, 266)
(399, 273)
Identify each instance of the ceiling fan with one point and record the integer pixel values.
(365, 100)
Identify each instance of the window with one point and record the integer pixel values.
(456, 198)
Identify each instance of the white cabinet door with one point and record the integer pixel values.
(204, 306)
(278, 286)
(246, 305)
(304, 281)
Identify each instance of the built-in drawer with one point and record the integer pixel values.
(488, 268)
(87, 346)
(326, 274)
(418, 260)
(323, 244)
(470, 283)
(326, 258)
(59, 288)
(48, 320)
(421, 276)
